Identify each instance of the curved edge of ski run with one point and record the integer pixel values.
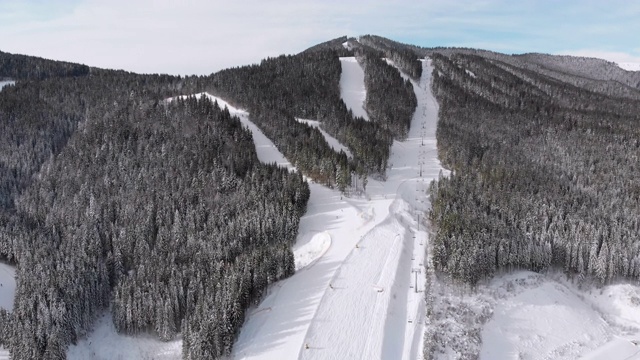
(373, 309)
(7, 293)
(333, 142)
(267, 152)
(352, 89)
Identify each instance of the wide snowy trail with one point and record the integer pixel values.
(371, 310)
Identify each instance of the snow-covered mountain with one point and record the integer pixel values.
(371, 269)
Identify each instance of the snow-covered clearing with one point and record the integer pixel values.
(333, 142)
(104, 342)
(536, 317)
(352, 88)
(4, 83)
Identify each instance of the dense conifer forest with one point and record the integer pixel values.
(543, 174)
(114, 198)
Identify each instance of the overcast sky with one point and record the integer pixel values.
(203, 36)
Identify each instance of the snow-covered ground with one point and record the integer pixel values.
(5, 83)
(352, 88)
(7, 293)
(333, 142)
(527, 315)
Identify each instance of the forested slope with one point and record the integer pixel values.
(543, 174)
(114, 198)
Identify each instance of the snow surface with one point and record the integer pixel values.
(333, 142)
(6, 83)
(7, 286)
(538, 318)
(7, 293)
(352, 88)
(547, 316)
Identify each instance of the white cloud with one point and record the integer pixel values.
(202, 36)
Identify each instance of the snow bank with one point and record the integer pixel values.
(547, 316)
(352, 90)
(306, 254)
(615, 349)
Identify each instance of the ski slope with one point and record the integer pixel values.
(352, 90)
(358, 299)
(7, 292)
